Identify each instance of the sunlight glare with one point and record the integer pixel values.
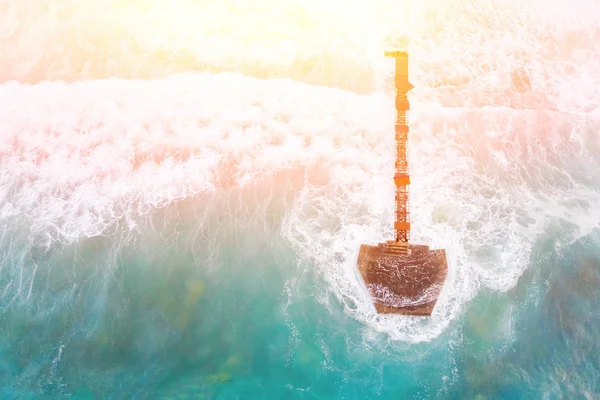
(266, 30)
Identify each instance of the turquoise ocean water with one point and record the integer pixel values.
(171, 228)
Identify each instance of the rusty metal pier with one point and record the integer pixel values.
(402, 278)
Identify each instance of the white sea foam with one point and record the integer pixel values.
(504, 140)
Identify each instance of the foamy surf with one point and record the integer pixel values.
(78, 159)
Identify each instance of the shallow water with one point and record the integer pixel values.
(185, 224)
